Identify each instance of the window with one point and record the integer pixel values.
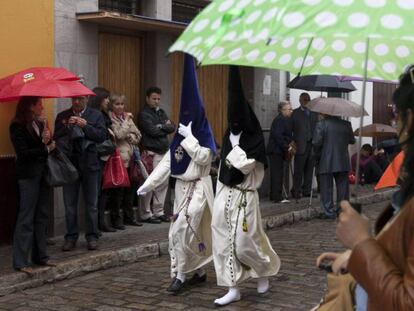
(121, 6)
(185, 10)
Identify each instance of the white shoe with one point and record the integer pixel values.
(262, 285)
(233, 295)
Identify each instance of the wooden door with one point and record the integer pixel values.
(382, 102)
(120, 64)
(212, 82)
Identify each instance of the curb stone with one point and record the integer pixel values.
(14, 282)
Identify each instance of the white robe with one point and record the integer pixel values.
(239, 255)
(184, 239)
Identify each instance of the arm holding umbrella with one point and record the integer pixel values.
(317, 140)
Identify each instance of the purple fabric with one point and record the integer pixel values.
(191, 109)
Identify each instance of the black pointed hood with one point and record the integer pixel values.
(241, 117)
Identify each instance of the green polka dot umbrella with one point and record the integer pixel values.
(337, 37)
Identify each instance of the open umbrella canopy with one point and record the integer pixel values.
(37, 73)
(376, 130)
(335, 106)
(322, 83)
(337, 37)
(48, 82)
(45, 89)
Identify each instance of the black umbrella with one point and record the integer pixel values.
(322, 83)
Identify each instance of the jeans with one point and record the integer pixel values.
(361, 299)
(89, 182)
(31, 227)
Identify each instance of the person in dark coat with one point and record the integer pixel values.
(100, 102)
(372, 164)
(77, 131)
(155, 126)
(278, 148)
(32, 142)
(330, 142)
(303, 123)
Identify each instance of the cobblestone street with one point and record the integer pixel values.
(141, 286)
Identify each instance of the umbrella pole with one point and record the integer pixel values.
(292, 174)
(361, 120)
(311, 193)
(306, 55)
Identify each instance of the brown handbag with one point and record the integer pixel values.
(290, 153)
(340, 293)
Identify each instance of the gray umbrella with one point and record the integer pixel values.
(322, 83)
(335, 106)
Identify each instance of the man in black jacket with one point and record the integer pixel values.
(303, 122)
(77, 131)
(155, 127)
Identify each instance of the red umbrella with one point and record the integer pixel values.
(45, 89)
(43, 82)
(37, 73)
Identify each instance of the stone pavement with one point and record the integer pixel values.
(141, 286)
(138, 243)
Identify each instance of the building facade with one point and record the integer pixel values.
(123, 45)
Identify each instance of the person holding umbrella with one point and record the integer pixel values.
(330, 142)
(381, 266)
(32, 142)
(303, 123)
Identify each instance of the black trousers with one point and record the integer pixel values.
(279, 176)
(122, 199)
(31, 228)
(342, 191)
(303, 171)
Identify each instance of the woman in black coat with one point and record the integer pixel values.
(32, 143)
(101, 102)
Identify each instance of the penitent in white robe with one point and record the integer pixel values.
(193, 202)
(239, 254)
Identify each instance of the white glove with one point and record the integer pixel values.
(185, 130)
(143, 190)
(235, 139)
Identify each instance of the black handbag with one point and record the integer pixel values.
(107, 147)
(76, 132)
(60, 170)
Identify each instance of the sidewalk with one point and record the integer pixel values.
(140, 243)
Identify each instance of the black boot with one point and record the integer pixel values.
(117, 224)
